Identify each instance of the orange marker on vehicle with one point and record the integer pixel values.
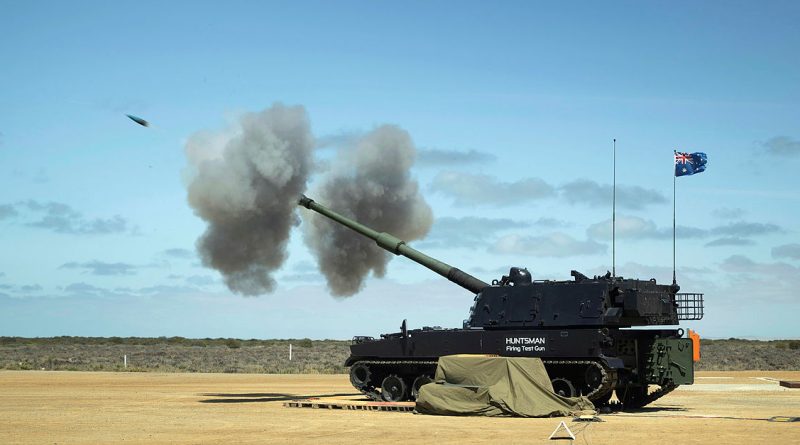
(695, 344)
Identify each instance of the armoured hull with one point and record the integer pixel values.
(588, 362)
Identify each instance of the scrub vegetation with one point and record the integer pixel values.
(736, 354)
(178, 354)
(174, 354)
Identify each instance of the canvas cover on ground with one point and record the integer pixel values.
(495, 386)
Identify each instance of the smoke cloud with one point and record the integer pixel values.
(370, 181)
(245, 182)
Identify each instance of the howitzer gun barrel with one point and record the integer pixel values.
(399, 247)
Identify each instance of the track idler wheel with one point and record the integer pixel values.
(418, 382)
(393, 389)
(360, 375)
(563, 387)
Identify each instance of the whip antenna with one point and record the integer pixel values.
(614, 217)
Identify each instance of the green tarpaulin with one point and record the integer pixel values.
(495, 386)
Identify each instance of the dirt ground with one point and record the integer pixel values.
(84, 407)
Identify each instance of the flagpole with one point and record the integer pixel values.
(614, 217)
(674, 281)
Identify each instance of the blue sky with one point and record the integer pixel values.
(522, 99)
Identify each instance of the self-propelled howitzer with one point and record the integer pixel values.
(580, 328)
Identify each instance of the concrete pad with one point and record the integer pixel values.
(703, 387)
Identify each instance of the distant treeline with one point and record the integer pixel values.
(179, 354)
(174, 354)
(180, 341)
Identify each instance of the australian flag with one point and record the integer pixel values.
(689, 163)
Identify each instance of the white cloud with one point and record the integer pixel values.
(742, 228)
(787, 251)
(102, 268)
(61, 218)
(470, 231)
(634, 227)
(730, 241)
(767, 282)
(728, 213)
(553, 245)
(631, 227)
(430, 157)
(588, 192)
(468, 189)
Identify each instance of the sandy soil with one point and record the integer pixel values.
(83, 407)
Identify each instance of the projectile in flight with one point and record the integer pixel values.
(139, 120)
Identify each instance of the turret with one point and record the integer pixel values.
(399, 247)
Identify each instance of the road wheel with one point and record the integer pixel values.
(393, 389)
(418, 382)
(563, 387)
(593, 377)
